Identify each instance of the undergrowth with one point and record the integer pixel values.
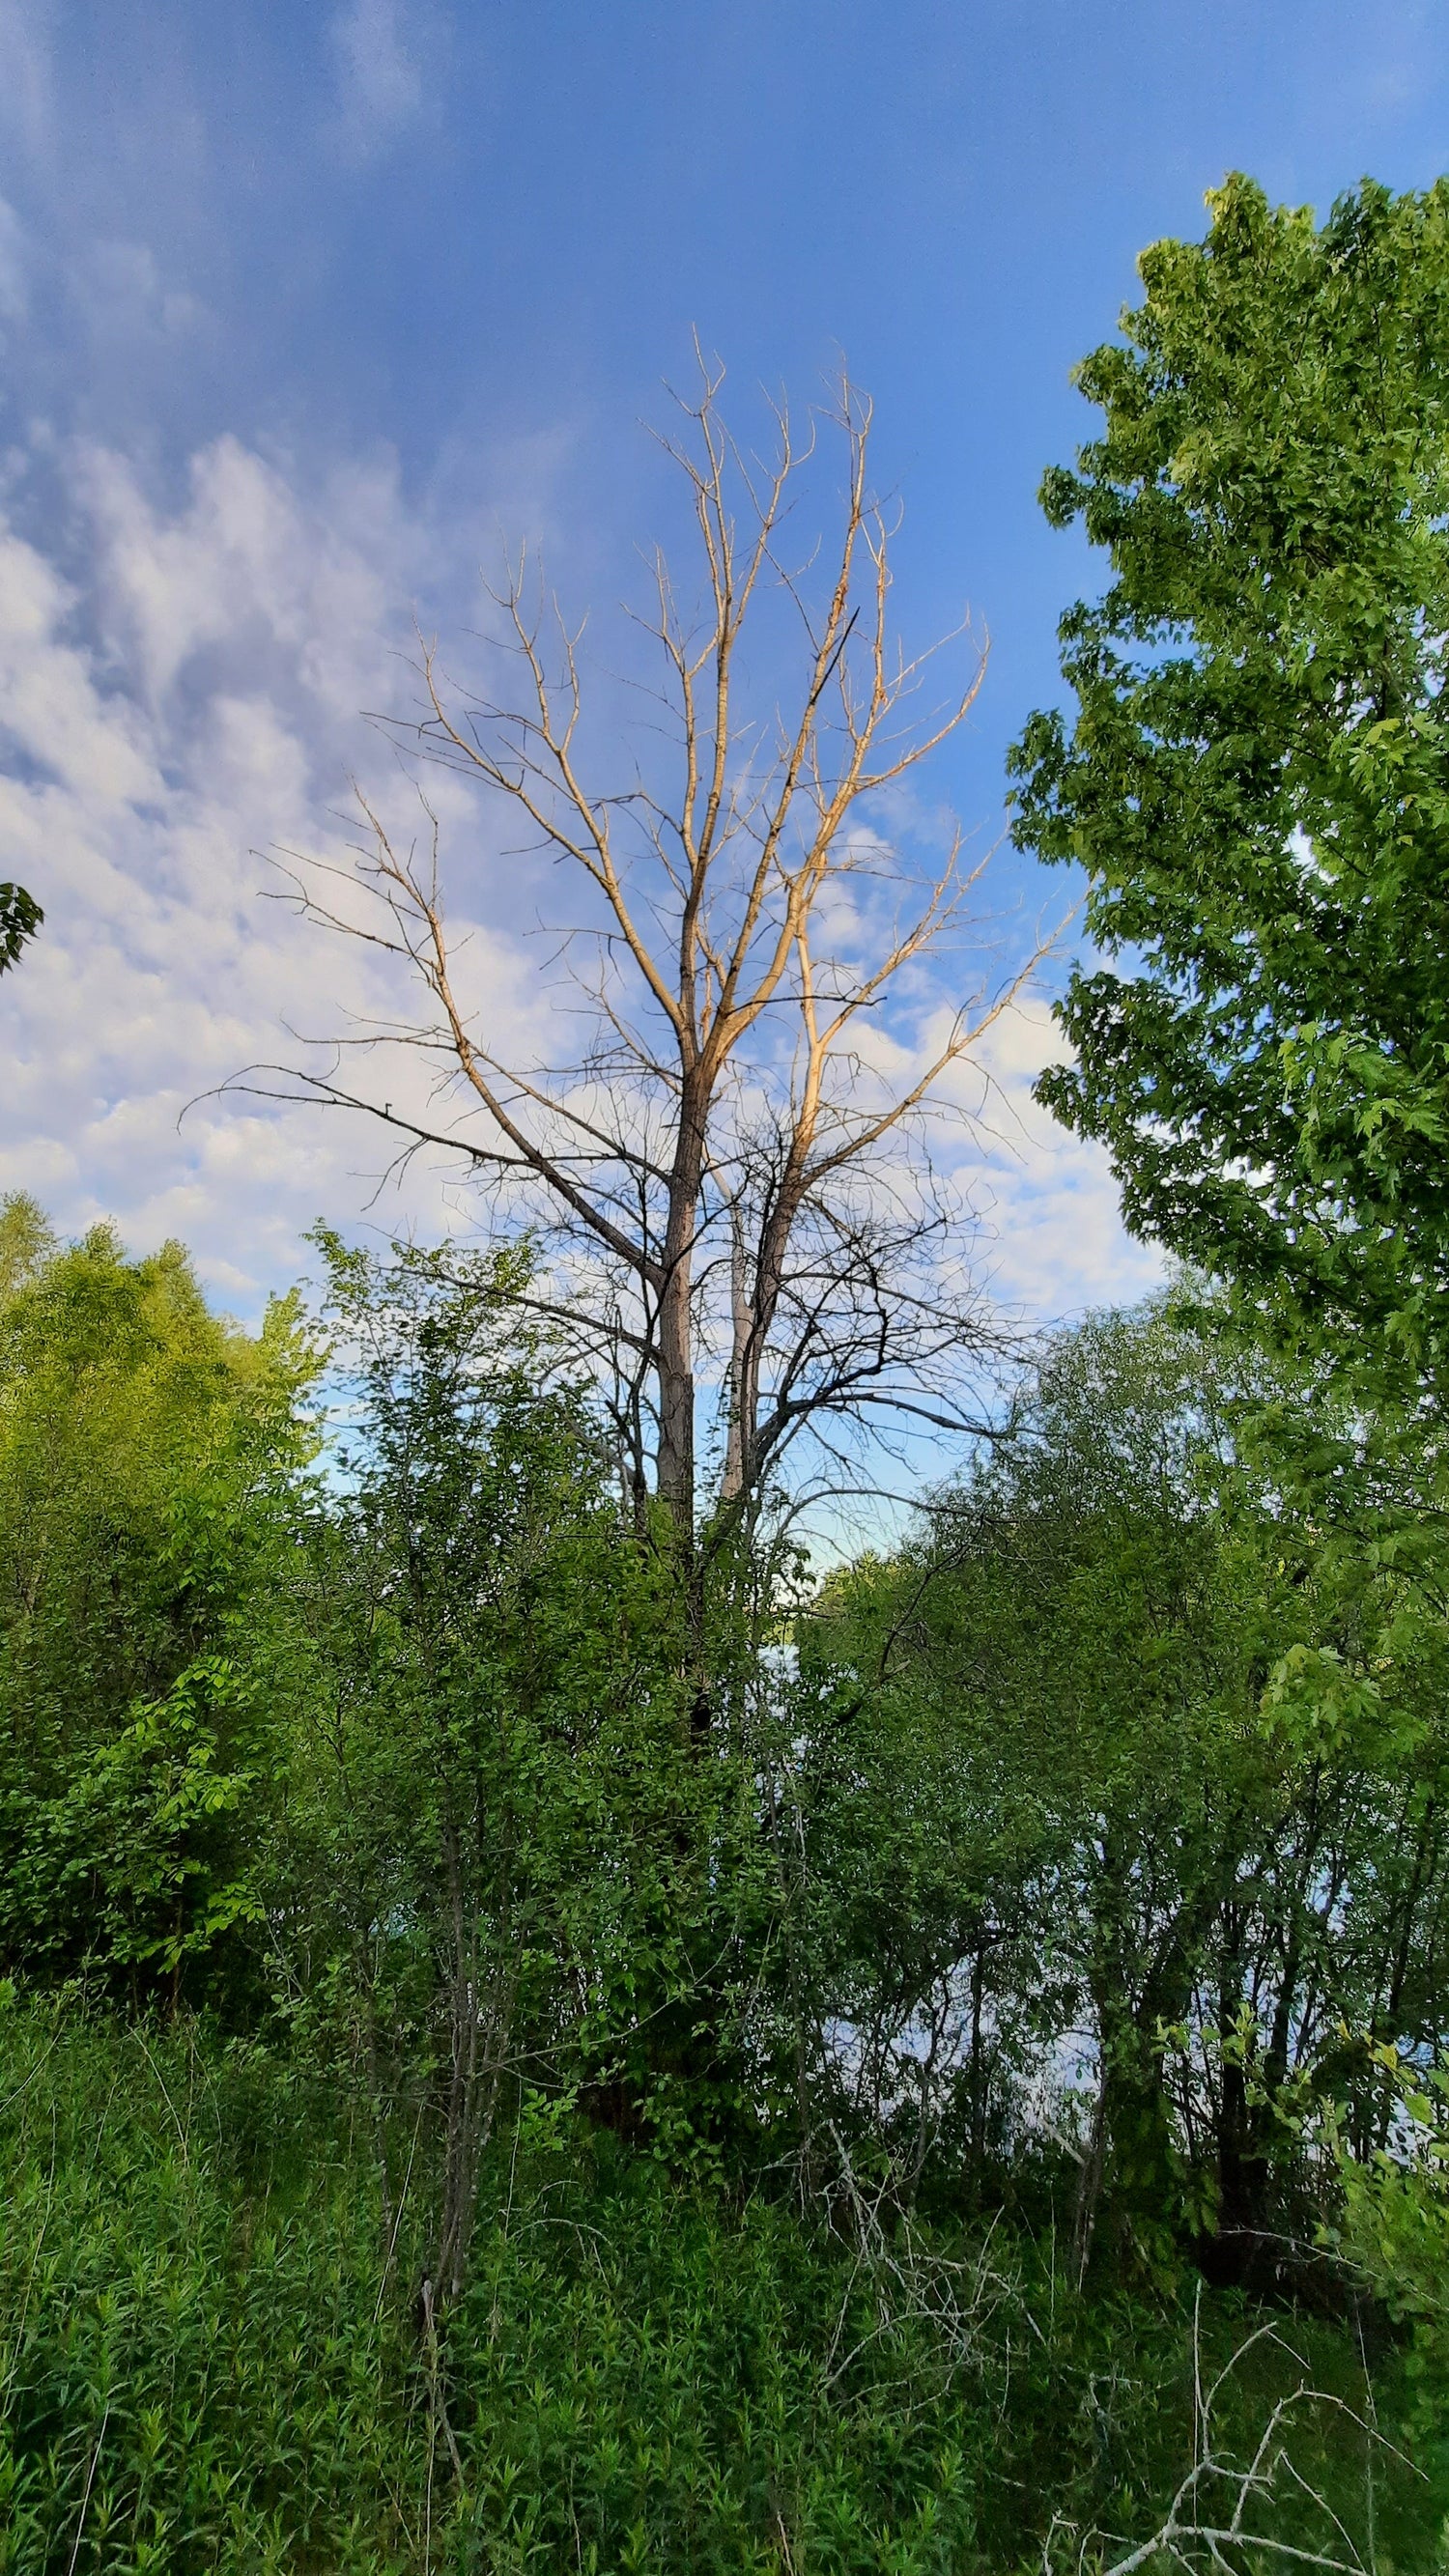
(211, 2358)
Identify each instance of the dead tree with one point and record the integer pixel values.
(736, 1188)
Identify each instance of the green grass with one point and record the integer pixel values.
(204, 2366)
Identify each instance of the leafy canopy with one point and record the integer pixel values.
(1257, 779)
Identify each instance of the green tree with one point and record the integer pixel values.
(490, 1874)
(1257, 778)
(144, 1447)
(1138, 1749)
(1074, 1623)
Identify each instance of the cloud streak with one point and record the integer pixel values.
(379, 48)
(195, 702)
(183, 694)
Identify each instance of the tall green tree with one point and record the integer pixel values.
(145, 1446)
(1256, 778)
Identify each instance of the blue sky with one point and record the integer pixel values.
(306, 307)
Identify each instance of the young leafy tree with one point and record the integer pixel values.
(1255, 779)
(494, 1866)
(1254, 783)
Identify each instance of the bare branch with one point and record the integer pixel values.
(729, 1193)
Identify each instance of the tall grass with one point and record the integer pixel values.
(210, 2357)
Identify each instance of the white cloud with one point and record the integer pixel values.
(242, 577)
(378, 48)
(124, 297)
(1057, 1243)
(26, 106)
(14, 266)
(187, 694)
(193, 699)
(51, 709)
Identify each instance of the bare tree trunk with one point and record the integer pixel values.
(978, 2069)
(675, 1360)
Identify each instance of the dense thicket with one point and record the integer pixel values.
(210, 2362)
(1181, 1803)
(545, 2129)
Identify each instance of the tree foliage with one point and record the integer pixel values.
(20, 918)
(1222, 1729)
(145, 1447)
(1254, 778)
